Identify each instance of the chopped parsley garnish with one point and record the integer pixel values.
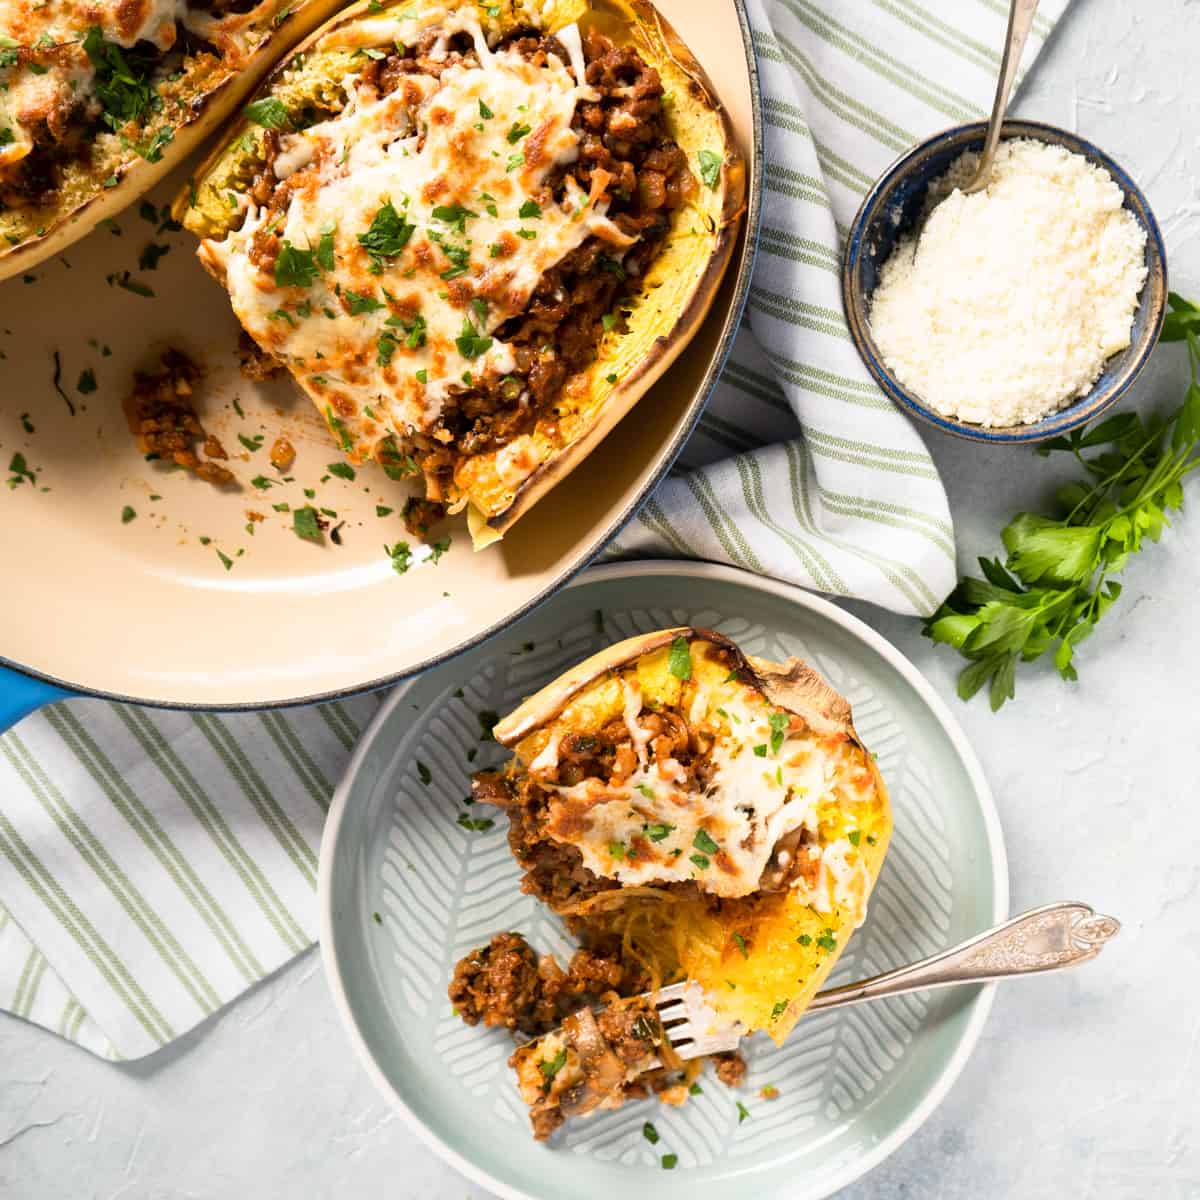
(761, 750)
(779, 723)
(226, 561)
(480, 825)
(854, 837)
(438, 548)
(679, 661)
(485, 112)
(612, 266)
(127, 515)
(122, 81)
(669, 1161)
(514, 161)
(401, 556)
(460, 261)
(710, 168)
(415, 330)
(424, 773)
(361, 304)
(282, 506)
(262, 482)
(549, 1067)
(658, 832)
(341, 470)
(617, 850)
(295, 267)
(527, 234)
(700, 861)
(324, 252)
(6, 136)
(781, 1006)
(646, 790)
(338, 426)
(385, 347)
(151, 253)
(650, 1133)
(87, 381)
(517, 131)
(695, 1090)
(251, 443)
(270, 113)
(740, 943)
(609, 321)
(454, 215)
(306, 524)
(743, 1112)
(827, 941)
(702, 841)
(382, 510)
(152, 150)
(529, 210)
(472, 342)
(422, 375)
(805, 939)
(387, 236)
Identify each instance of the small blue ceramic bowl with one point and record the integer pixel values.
(892, 208)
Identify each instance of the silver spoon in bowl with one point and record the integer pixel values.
(1020, 21)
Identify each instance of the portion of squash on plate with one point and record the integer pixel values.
(475, 233)
(696, 814)
(100, 98)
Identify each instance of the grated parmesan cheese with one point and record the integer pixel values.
(1008, 304)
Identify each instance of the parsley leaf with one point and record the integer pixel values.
(268, 112)
(1058, 578)
(472, 342)
(679, 661)
(703, 841)
(295, 267)
(387, 236)
(779, 723)
(122, 83)
(361, 304)
(550, 1067)
(306, 524)
(710, 168)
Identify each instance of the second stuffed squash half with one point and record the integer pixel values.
(475, 233)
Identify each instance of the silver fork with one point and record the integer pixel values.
(1043, 939)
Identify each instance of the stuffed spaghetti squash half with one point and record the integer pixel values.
(693, 813)
(99, 99)
(475, 233)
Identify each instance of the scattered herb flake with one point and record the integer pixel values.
(679, 661)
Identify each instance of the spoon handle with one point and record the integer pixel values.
(1043, 939)
(1020, 21)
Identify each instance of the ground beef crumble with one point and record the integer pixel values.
(163, 419)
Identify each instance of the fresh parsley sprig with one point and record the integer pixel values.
(1058, 579)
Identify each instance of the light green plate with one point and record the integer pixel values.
(853, 1084)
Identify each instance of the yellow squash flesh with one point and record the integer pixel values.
(664, 313)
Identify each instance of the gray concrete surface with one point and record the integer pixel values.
(1083, 1086)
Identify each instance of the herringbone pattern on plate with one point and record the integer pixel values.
(445, 889)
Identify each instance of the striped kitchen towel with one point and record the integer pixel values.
(155, 865)
(801, 468)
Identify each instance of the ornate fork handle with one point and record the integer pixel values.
(1043, 939)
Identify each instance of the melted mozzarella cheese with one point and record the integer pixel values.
(463, 159)
(647, 829)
